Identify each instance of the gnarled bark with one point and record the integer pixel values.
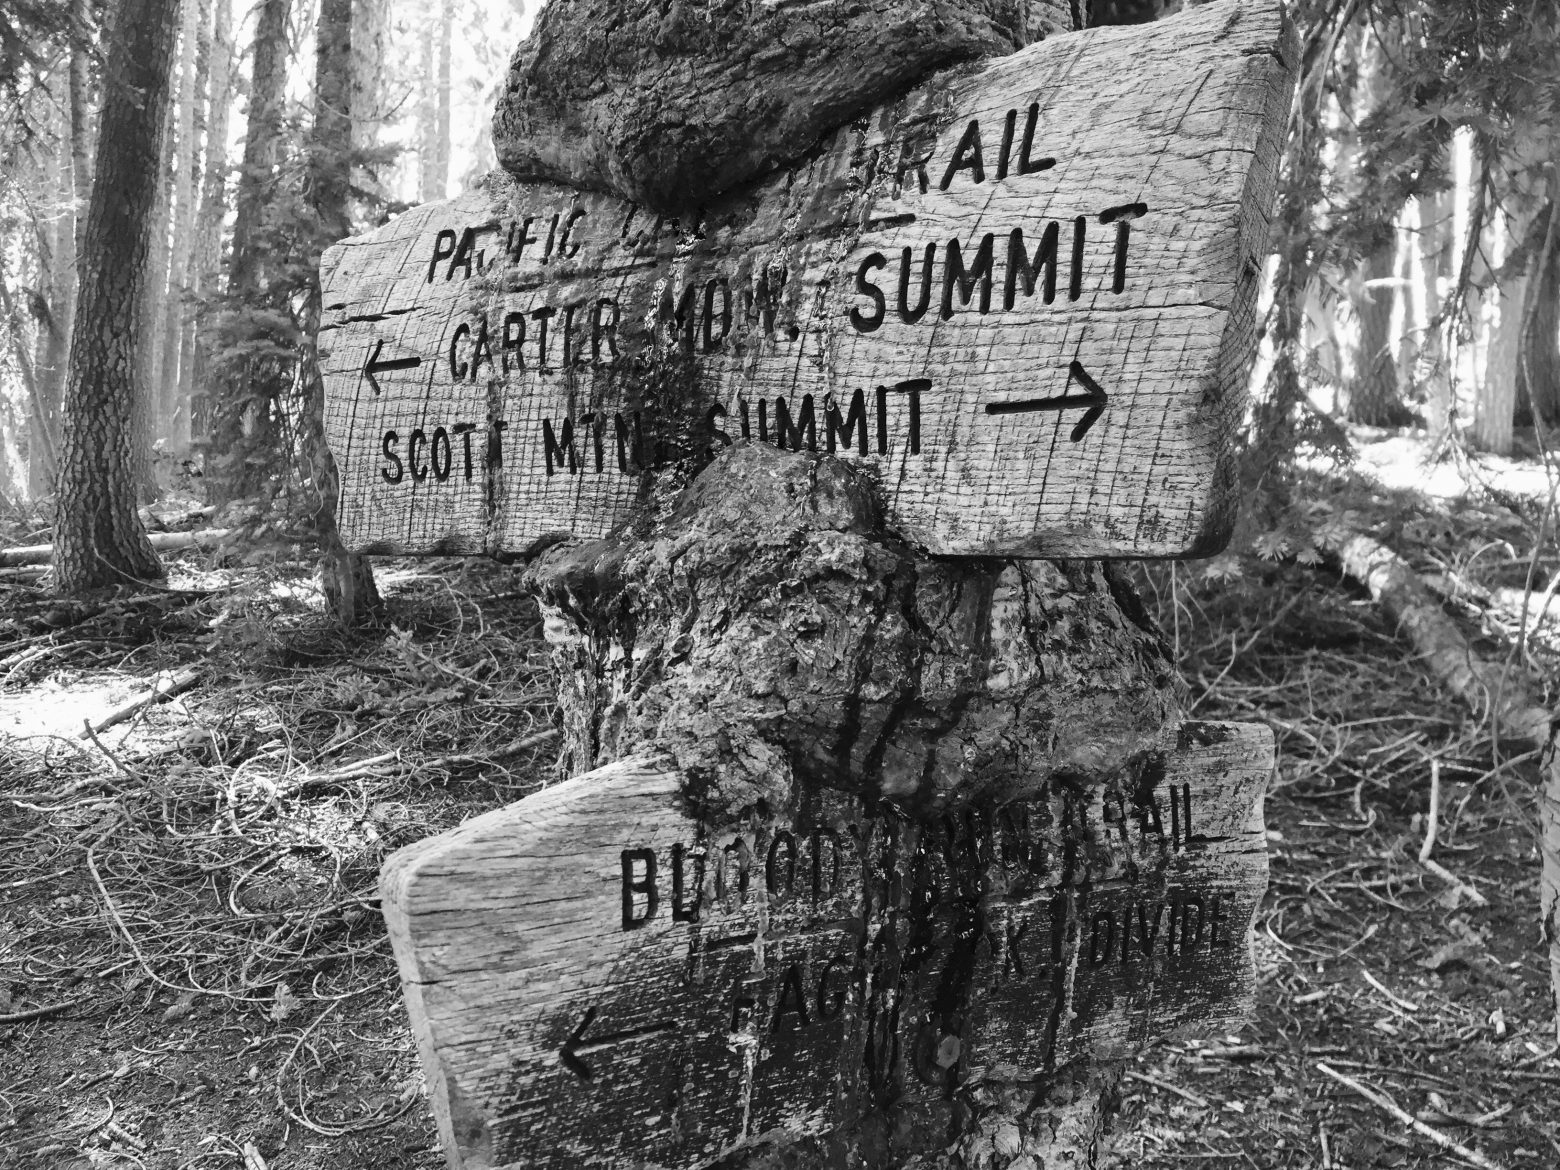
(766, 635)
(668, 106)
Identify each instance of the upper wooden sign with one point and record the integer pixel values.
(597, 979)
(1023, 295)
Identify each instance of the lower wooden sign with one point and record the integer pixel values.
(597, 979)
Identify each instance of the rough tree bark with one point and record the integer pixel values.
(98, 537)
(348, 578)
(1494, 409)
(665, 107)
(171, 406)
(765, 633)
(241, 413)
(1435, 262)
(763, 630)
(75, 176)
(205, 262)
(1373, 397)
(1538, 373)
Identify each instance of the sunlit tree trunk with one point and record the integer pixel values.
(1538, 382)
(1373, 397)
(98, 536)
(75, 189)
(170, 406)
(1495, 406)
(148, 420)
(349, 581)
(207, 258)
(1434, 263)
(243, 405)
(43, 412)
(434, 151)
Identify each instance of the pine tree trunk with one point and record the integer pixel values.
(772, 639)
(1549, 814)
(98, 539)
(43, 416)
(207, 258)
(445, 98)
(1494, 409)
(170, 405)
(153, 348)
(349, 580)
(1373, 399)
(1435, 261)
(243, 405)
(1539, 368)
(427, 126)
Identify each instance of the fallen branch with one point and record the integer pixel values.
(47, 1009)
(1506, 696)
(164, 686)
(1387, 1105)
(42, 554)
(372, 764)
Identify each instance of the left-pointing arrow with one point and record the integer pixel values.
(576, 1045)
(375, 366)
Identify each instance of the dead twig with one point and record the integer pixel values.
(1387, 1105)
(1185, 1094)
(47, 1009)
(164, 686)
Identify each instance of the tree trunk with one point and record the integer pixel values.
(1494, 409)
(207, 259)
(153, 348)
(243, 406)
(349, 580)
(772, 640)
(1549, 811)
(427, 125)
(1434, 256)
(1538, 378)
(170, 404)
(43, 418)
(445, 98)
(1373, 399)
(75, 191)
(99, 539)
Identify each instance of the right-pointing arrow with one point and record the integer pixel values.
(1093, 397)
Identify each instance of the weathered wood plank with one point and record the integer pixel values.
(1077, 229)
(596, 979)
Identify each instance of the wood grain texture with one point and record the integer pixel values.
(661, 337)
(789, 975)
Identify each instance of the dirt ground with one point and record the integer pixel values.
(193, 972)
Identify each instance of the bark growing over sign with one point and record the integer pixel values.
(772, 640)
(668, 105)
(1023, 294)
(1034, 865)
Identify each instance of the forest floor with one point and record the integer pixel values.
(193, 971)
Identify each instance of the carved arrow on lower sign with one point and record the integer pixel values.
(375, 366)
(576, 1044)
(1093, 397)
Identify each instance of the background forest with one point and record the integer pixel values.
(1414, 279)
(201, 775)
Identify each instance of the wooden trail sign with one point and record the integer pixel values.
(597, 979)
(1023, 296)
